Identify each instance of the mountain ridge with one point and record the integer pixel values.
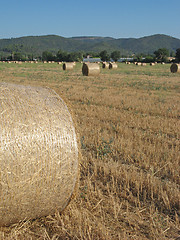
(37, 44)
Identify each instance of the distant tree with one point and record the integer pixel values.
(80, 56)
(161, 54)
(92, 54)
(178, 54)
(115, 55)
(18, 56)
(172, 54)
(104, 56)
(47, 56)
(61, 56)
(74, 57)
(149, 59)
(138, 57)
(30, 57)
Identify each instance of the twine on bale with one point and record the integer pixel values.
(68, 66)
(38, 153)
(90, 69)
(112, 65)
(175, 68)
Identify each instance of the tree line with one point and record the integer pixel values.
(78, 56)
(160, 55)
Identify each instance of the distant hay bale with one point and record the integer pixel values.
(38, 153)
(138, 63)
(175, 68)
(143, 64)
(105, 65)
(68, 66)
(112, 65)
(90, 69)
(152, 64)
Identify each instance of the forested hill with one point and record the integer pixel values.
(37, 44)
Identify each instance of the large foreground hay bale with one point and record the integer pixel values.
(112, 65)
(90, 69)
(68, 66)
(175, 68)
(38, 153)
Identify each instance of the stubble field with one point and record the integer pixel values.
(128, 121)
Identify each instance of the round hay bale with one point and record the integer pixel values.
(38, 153)
(138, 63)
(112, 65)
(90, 69)
(152, 64)
(143, 64)
(175, 68)
(105, 65)
(68, 66)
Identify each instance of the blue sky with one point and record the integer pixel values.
(68, 18)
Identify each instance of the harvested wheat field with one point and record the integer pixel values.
(128, 122)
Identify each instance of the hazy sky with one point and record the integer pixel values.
(67, 18)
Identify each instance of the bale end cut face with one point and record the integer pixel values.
(175, 68)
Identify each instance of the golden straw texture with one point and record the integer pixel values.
(68, 66)
(105, 65)
(112, 66)
(175, 68)
(90, 69)
(38, 153)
